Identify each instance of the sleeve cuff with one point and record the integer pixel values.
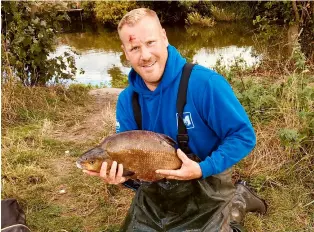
(207, 168)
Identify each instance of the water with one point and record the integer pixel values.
(100, 55)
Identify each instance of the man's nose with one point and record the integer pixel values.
(145, 54)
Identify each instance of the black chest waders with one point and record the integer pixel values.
(174, 205)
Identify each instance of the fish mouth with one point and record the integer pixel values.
(79, 165)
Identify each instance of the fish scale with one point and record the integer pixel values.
(140, 152)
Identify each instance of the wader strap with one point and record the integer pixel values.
(137, 110)
(135, 184)
(182, 137)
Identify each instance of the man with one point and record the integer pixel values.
(200, 195)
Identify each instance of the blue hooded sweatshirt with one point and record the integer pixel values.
(219, 130)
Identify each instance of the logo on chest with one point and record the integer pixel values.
(187, 120)
(117, 127)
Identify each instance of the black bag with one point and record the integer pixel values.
(12, 217)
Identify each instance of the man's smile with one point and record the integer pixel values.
(149, 65)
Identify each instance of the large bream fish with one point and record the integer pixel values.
(140, 152)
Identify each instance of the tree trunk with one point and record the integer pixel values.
(293, 35)
(296, 13)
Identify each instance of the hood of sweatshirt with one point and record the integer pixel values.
(151, 102)
(174, 65)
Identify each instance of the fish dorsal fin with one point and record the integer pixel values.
(167, 139)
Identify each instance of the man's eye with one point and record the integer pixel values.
(150, 42)
(134, 48)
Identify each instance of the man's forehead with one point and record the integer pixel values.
(135, 41)
(131, 38)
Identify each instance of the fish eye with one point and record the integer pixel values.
(92, 161)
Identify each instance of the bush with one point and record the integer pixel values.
(29, 35)
(111, 13)
(197, 19)
(231, 11)
(88, 9)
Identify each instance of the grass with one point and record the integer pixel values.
(195, 18)
(281, 166)
(38, 164)
(22, 104)
(270, 170)
(222, 11)
(38, 167)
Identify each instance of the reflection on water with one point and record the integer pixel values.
(208, 57)
(100, 52)
(96, 65)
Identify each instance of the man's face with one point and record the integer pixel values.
(145, 47)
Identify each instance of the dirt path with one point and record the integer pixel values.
(99, 116)
(102, 112)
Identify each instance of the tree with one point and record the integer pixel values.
(296, 15)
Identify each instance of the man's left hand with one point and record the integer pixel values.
(189, 170)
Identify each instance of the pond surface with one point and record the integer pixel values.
(100, 55)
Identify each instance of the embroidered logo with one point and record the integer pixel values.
(187, 120)
(117, 127)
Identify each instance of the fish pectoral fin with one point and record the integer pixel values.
(127, 172)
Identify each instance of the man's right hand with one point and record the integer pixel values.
(113, 177)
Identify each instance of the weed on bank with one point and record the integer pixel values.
(281, 167)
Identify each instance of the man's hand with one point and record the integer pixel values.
(113, 177)
(189, 170)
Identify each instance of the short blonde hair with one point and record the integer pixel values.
(134, 16)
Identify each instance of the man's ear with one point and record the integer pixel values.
(125, 53)
(164, 36)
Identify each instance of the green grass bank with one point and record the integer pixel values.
(44, 130)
